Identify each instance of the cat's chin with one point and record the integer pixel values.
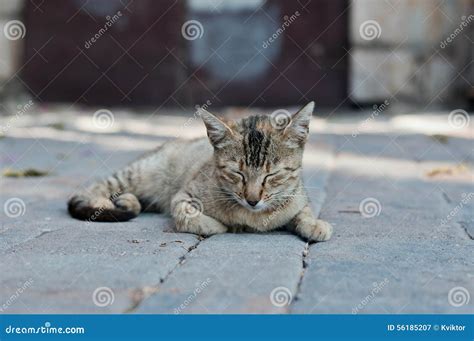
(255, 209)
(260, 207)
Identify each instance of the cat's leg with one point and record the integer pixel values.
(107, 200)
(308, 227)
(188, 216)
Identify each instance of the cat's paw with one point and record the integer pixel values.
(128, 202)
(210, 226)
(317, 231)
(202, 225)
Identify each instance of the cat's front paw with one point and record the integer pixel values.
(209, 226)
(202, 225)
(317, 231)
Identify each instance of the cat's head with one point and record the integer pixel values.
(258, 159)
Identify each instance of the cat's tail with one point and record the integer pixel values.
(105, 201)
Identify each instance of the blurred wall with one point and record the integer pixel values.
(11, 45)
(182, 53)
(418, 51)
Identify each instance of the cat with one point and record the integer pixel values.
(246, 176)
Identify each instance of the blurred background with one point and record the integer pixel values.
(143, 53)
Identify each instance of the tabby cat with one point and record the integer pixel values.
(245, 177)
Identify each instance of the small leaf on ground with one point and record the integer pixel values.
(29, 172)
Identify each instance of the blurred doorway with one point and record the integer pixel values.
(253, 52)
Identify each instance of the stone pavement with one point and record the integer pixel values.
(397, 188)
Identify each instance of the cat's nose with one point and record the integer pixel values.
(252, 203)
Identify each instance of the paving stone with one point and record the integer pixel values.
(80, 258)
(411, 250)
(405, 249)
(238, 273)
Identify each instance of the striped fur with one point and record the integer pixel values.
(246, 178)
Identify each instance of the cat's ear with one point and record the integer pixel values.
(298, 129)
(217, 130)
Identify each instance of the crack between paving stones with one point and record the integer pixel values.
(12, 248)
(305, 253)
(446, 197)
(304, 266)
(463, 226)
(139, 295)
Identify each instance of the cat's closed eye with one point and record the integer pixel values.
(241, 175)
(278, 179)
(269, 176)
